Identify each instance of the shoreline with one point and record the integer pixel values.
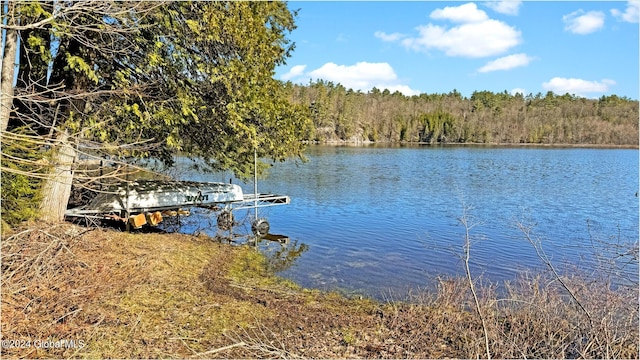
(500, 145)
(110, 294)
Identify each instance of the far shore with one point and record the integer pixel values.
(491, 144)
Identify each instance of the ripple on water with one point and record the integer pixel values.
(388, 218)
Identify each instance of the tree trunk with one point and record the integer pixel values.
(8, 69)
(57, 188)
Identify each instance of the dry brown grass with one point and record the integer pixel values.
(178, 296)
(125, 295)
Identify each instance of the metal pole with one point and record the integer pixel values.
(255, 182)
(128, 213)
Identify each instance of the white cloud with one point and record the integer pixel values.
(579, 87)
(359, 76)
(295, 71)
(518, 91)
(487, 38)
(631, 12)
(507, 7)
(579, 22)
(404, 89)
(506, 63)
(388, 37)
(474, 35)
(460, 14)
(362, 76)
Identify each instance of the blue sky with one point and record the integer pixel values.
(586, 48)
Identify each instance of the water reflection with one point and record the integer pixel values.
(281, 257)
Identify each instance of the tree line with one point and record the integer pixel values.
(341, 114)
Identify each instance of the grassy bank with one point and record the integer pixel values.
(122, 295)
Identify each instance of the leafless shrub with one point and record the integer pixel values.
(464, 220)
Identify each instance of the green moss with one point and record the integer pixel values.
(248, 264)
(349, 336)
(251, 267)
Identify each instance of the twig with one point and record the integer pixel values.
(185, 345)
(19, 234)
(134, 325)
(65, 315)
(241, 343)
(545, 259)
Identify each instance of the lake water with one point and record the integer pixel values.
(385, 220)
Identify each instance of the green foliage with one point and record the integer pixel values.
(200, 80)
(20, 186)
(225, 102)
(437, 126)
(77, 64)
(35, 52)
(39, 46)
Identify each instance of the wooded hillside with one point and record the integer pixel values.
(486, 117)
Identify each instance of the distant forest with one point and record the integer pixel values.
(340, 114)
